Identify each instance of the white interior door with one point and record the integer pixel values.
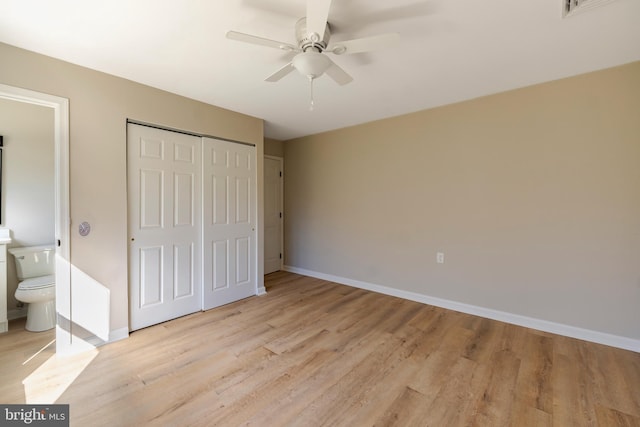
(229, 224)
(164, 184)
(272, 214)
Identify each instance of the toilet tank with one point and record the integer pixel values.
(34, 261)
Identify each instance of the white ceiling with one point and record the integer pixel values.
(449, 50)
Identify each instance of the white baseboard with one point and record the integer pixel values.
(118, 334)
(261, 291)
(502, 316)
(115, 335)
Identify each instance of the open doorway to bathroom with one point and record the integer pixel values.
(28, 194)
(54, 196)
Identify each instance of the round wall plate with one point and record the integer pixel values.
(84, 228)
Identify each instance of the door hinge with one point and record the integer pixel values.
(280, 256)
(280, 214)
(280, 174)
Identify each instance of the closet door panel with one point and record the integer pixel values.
(229, 235)
(165, 228)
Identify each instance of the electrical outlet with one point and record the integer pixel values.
(440, 257)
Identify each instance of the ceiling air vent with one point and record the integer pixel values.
(571, 7)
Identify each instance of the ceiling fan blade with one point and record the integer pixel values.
(338, 75)
(280, 73)
(364, 44)
(317, 16)
(248, 38)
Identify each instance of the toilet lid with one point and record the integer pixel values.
(37, 282)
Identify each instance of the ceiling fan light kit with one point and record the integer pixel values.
(313, 35)
(311, 63)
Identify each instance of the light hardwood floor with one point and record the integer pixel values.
(312, 353)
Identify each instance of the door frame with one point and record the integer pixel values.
(60, 108)
(281, 237)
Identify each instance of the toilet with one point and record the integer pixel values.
(35, 268)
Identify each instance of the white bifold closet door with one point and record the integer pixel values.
(171, 188)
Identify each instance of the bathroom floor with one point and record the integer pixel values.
(21, 354)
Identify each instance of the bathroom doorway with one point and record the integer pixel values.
(60, 107)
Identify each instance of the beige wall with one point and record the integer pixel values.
(273, 147)
(28, 206)
(100, 104)
(533, 195)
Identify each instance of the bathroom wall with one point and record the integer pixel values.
(27, 181)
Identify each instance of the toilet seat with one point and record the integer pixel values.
(37, 283)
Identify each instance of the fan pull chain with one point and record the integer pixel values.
(311, 93)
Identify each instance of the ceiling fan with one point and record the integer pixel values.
(313, 35)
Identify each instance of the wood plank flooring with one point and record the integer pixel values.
(314, 353)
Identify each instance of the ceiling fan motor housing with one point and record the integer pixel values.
(304, 38)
